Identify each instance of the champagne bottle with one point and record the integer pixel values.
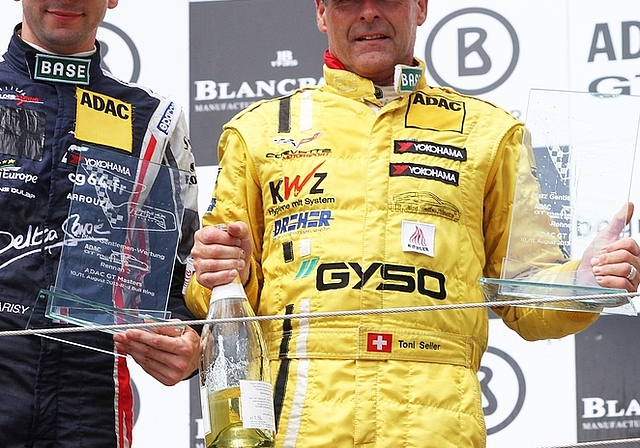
(235, 389)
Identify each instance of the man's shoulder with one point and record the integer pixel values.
(111, 83)
(471, 104)
(268, 108)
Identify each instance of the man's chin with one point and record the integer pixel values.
(375, 66)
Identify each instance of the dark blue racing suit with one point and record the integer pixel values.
(55, 394)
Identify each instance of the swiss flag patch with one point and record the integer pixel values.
(379, 342)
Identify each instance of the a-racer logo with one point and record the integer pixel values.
(486, 45)
(119, 53)
(17, 95)
(503, 389)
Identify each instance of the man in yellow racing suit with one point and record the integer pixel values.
(355, 197)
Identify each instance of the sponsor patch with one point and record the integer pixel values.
(315, 220)
(18, 95)
(418, 237)
(430, 149)
(62, 69)
(104, 120)
(436, 113)
(424, 172)
(379, 342)
(164, 125)
(405, 78)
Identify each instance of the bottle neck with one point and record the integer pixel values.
(233, 290)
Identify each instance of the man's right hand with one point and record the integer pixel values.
(219, 255)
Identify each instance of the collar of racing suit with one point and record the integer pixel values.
(343, 82)
(22, 56)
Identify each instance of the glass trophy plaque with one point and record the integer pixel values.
(574, 176)
(120, 241)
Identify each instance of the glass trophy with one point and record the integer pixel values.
(574, 176)
(120, 241)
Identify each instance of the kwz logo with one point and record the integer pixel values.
(283, 189)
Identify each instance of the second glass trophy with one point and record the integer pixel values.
(574, 176)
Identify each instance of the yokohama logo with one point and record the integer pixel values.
(424, 172)
(430, 148)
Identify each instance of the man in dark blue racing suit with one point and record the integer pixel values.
(55, 98)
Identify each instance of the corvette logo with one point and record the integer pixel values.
(292, 142)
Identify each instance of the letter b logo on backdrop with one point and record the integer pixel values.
(486, 47)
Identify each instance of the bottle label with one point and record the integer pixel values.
(204, 404)
(256, 403)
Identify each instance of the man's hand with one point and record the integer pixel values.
(219, 255)
(614, 262)
(169, 354)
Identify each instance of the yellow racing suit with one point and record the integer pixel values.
(356, 205)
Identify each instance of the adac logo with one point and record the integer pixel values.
(487, 49)
(503, 388)
(119, 53)
(611, 47)
(282, 189)
(17, 95)
(450, 116)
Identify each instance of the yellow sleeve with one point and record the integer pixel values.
(236, 197)
(547, 261)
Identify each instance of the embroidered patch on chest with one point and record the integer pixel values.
(104, 120)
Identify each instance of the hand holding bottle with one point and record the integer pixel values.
(219, 255)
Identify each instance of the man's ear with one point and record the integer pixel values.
(320, 11)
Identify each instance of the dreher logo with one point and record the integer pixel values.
(486, 46)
